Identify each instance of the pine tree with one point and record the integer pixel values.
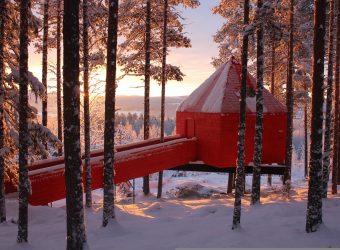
(2, 97)
(87, 137)
(290, 99)
(255, 196)
(314, 206)
(133, 26)
(336, 133)
(165, 26)
(44, 61)
(306, 131)
(110, 96)
(275, 36)
(146, 185)
(272, 80)
(329, 104)
(23, 125)
(228, 36)
(38, 134)
(242, 127)
(73, 164)
(59, 101)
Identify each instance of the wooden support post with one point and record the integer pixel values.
(230, 183)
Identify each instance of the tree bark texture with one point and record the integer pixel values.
(2, 98)
(290, 97)
(329, 105)
(73, 163)
(239, 188)
(255, 196)
(165, 26)
(23, 125)
(110, 104)
(146, 185)
(44, 61)
(59, 101)
(336, 134)
(88, 189)
(314, 206)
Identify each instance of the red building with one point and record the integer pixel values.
(211, 114)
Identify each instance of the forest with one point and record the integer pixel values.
(287, 50)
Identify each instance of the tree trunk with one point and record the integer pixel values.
(290, 99)
(314, 206)
(165, 25)
(231, 180)
(44, 62)
(59, 103)
(306, 133)
(255, 196)
(2, 98)
(110, 104)
(239, 188)
(336, 134)
(329, 104)
(87, 105)
(73, 164)
(23, 126)
(146, 186)
(272, 83)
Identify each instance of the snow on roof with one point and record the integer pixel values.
(220, 93)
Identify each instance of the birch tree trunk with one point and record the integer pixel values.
(23, 125)
(329, 104)
(314, 206)
(44, 62)
(2, 97)
(73, 164)
(290, 99)
(165, 25)
(59, 102)
(146, 185)
(110, 104)
(255, 196)
(239, 188)
(86, 105)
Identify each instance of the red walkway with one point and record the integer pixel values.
(131, 161)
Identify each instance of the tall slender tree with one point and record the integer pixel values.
(306, 130)
(23, 126)
(272, 80)
(133, 29)
(336, 134)
(71, 91)
(59, 101)
(329, 104)
(110, 97)
(87, 137)
(165, 27)
(2, 99)
(255, 196)
(44, 61)
(147, 75)
(290, 98)
(242, 126)
(314, 206)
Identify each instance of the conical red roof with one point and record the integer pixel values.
(220, 93)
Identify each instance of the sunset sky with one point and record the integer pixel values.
(195, 62)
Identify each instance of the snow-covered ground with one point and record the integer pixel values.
(195, 212)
